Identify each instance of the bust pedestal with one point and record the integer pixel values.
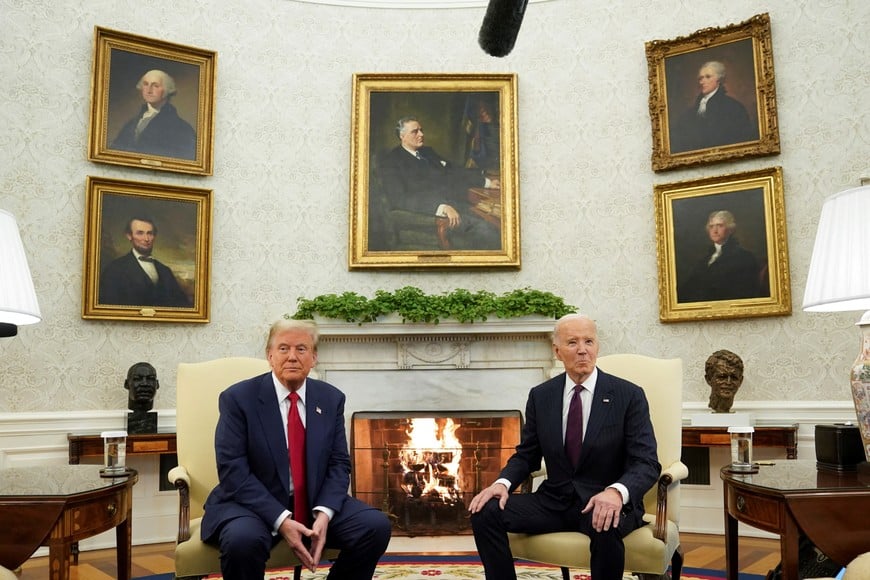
(141, 422)
(712, 419)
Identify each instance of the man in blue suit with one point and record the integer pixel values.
(252, 508)
(600, 491)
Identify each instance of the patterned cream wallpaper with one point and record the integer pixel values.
(281, 175)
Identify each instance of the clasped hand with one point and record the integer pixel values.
(293, 532)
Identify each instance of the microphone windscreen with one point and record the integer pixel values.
(501, 25)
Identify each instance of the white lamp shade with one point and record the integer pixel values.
(18, 303)
(839, 275)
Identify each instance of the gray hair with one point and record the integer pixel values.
(400, 125)
(168, 81)
(569, 317)
(726, 216)
(717, 67)
(286, 324)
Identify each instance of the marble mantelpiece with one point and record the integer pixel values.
(486, 365)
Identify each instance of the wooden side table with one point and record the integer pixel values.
(486, 203)
(784, 436)
(91, 445)
(58, 505)
(793, 498)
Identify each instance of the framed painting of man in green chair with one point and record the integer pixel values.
(434, 179)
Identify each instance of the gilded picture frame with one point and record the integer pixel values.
(712, 95)
(128, 222)
(133, 78)
(749, 277)
(465, 127)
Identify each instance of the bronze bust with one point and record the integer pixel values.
(142, 385)
(723, 371)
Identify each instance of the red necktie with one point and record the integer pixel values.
(574, 427)
(296, 450)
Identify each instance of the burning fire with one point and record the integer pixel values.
(430, 460)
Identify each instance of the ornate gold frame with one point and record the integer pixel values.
(673, 65)
(755, 198)
(120, 59)
(378, 101)
(183, 220)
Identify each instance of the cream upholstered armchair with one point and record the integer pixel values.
(197, 390)
(650, 549)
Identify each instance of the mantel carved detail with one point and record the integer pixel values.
(433, 353)
(393, 345)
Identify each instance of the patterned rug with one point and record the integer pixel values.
(463, 568)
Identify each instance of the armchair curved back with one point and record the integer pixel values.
(662, 382)
(197, 390)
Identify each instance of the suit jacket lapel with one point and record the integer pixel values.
(314, 432)
(272, 422)
(599, 412)
(551, 414)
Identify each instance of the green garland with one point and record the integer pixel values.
(413, 305)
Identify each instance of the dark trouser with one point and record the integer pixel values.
(525, 513)
(360, 532)
(474, 233)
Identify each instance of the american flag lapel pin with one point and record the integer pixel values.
(605, 400)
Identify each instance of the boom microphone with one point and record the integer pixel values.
(501, 25)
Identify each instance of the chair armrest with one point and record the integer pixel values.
(178, 472)
(671, 475)
(528, 485)
(179, 477)
(678, 471)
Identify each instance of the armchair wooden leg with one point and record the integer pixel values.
(677, 563)
(297, 572)
(566, 574)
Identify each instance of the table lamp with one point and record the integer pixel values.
(18, 305)
(839, 281)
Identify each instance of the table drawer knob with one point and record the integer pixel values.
(741, 503)
(112, 509)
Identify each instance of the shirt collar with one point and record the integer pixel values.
(282, 393)
(588, 384)
(706, 97)
(139, 255)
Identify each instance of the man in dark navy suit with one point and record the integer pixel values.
(137, 278)
(258, 501)
(600, 452)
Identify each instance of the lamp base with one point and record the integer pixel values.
(7, 330)
(860, 382)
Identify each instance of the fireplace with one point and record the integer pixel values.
(422, 468)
